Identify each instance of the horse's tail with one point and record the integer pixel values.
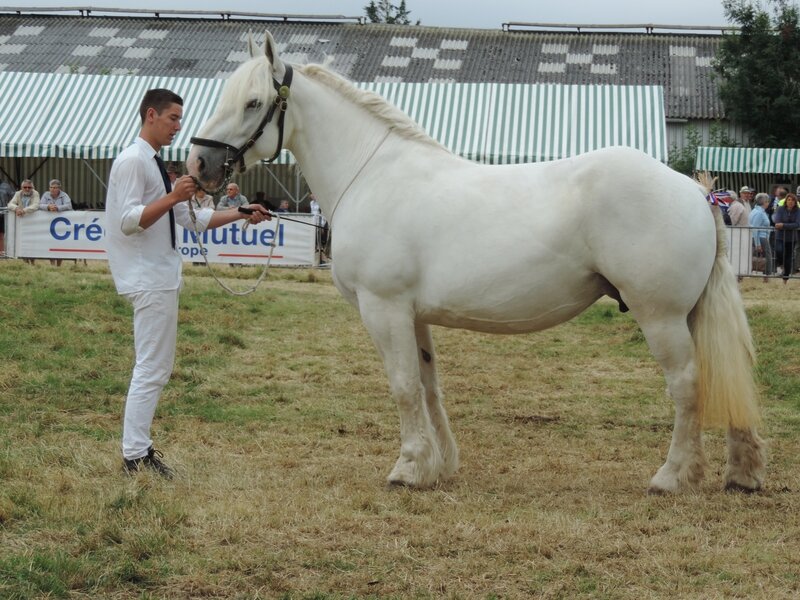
(726, 390)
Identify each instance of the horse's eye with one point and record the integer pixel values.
(254, 105)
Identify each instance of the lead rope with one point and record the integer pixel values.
(210, 268)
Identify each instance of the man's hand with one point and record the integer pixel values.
(259, 214)
(183, 188)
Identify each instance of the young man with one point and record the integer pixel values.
(146, 267)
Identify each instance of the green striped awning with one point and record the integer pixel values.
(96, 116)
(514, 123)
(453, 114)
(90, 116)
(785, 161)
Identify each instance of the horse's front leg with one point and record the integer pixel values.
(433, 398)
(391, 325)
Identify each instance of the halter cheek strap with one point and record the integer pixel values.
(280, 105)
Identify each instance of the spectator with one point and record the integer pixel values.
(55, 199)
(746, 194)
(261, 198)
(25, 202)
(777, 199)
(6, 193)
(172, 173)
(738, 210)
(233, 199)
(283, 207)
(202, 200)
(740, 238)
(322, 231)
(316, 210)
(787, 222)
(761, 225)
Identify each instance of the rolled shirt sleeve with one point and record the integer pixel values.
(130, 208)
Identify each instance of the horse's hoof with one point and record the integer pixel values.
(657, 491)
(398, 483)
(733, 486)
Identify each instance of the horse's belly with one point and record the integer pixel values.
(508, 310)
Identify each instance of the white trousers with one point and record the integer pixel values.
(155, 332)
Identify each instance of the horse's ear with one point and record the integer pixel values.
(252, 47)
(271, 50)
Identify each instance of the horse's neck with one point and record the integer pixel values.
(333, 140)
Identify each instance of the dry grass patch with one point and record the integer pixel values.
(279, 422)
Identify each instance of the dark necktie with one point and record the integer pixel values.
(168, 187)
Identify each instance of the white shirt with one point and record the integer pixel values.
(142, 259)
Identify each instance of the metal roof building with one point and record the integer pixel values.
(213, 47)
(524, 74)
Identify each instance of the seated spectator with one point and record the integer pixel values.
(202, 200)
(25, 202)
(55, 200)
(759, 221)
(233, 199)
(283, 207)
(172, 173)
(261, 198)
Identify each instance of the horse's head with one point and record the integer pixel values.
(249, 123)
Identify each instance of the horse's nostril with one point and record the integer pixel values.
(201, 164)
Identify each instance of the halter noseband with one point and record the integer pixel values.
(280, 104)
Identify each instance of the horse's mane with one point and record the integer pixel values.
(256, 73)
(375, 104)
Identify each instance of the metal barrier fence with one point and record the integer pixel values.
(756, 252)
(752, 252)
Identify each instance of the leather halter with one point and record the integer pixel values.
(234, 154)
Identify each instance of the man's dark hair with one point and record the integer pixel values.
(159, 99)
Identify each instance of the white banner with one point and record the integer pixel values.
(81, 234)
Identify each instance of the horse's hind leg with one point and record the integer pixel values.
(433, 398)
(671, 343)
(391, 326)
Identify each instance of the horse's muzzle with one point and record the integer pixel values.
(207, 166)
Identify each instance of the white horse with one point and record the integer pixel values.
(413, 246)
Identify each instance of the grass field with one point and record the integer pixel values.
(279, 422)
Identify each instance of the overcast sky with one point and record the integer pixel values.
(489, 14)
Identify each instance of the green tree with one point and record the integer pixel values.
(683, 159)
(758, 71)
(384, 11)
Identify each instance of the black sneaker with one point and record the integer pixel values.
(152, 460)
